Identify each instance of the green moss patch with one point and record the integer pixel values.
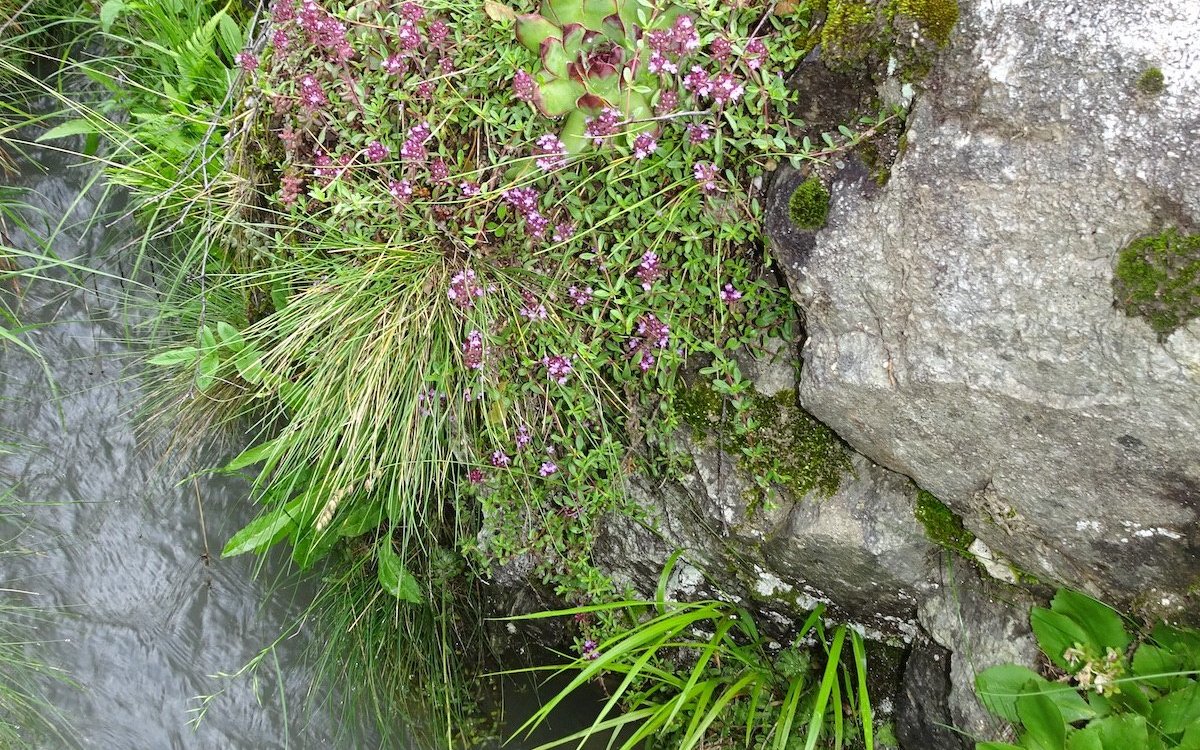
(1152, 82)
(808, 207)
(785, 445)
(1157, 278)
(942, 525)
(935, 18)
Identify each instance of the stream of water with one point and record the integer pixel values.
(121, 556)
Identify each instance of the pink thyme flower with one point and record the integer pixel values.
(755, 54)
(281, 41)
(446, 64)
(290, 186)
(412, 12)
(547, 468)
(643, 146)
(312, 94)
(729, 295)
(533, 309)
(283, 11)
(649, 271)
(469, 189)
(659, 63)
(536, 225)
(668, 100)
(654, 331)
(475, 476)
(563, 231)
(558, 368)
(394, 64)
(697, 82)
(524, 199)
(523, 438)
(720, 49)
(376, 152)
(552, 153)
(523, 86)
(473, 350)
(726, 88)
(438, 31)
(581, 297)
(247, 61)
(684, 35)
(590, 650)
(500, 459)
(602, 126)
(706, 175)
(698, 132)
(409, 36)
(401, 191)
(425, 90)
(464, 288)
(659, 40)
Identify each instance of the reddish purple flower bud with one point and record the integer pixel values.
(649, 271)
(473, 350)
(281, 41)
(312, 94)
(755, 54)
(464, 288)
(401, 191)
(552, 152)
(557, 368)
(290, 186)
(523, 86)
(475, 476)
(581, 297)
(447, 65)
(283, 11)
(720, 49)
(394, 64)
(697, 82)
(659, 40)
(668, 100)
(247, 61)
(563, 231)
(425, 90)
(643, 146)
(376, 152)
(726, 88)
(706, 175)
(412, 12)
(438, 169)
(602, 126)
(438, 31)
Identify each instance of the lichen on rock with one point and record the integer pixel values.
(1157, 278)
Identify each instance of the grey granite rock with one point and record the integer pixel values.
(960, 320)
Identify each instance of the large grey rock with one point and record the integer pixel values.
(860, 551)
(961, 326)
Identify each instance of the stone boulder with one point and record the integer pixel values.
(961, 325)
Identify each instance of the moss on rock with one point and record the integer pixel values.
(786, 447)
(1157, 278)
(809, 205)
(1152, 82)
(934, 18)
(852, 31)
(942, 525)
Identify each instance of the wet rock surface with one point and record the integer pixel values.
(961, 327)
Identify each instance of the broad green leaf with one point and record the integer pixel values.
(183, 356)
(999, 687)
(361, 519)
(109, 12)
(997, 746)
(207, 339)
(1124, 732)
(1177, 711)
(1084, 740)
(1055, 634)
(558, 96)
(393, 576)
(261, 533)
(249, 365)
(532, 29)
(68, 128)
(1151, 663)
(230, 336)
(1102, 624)
(206, 373)
(1043, 722)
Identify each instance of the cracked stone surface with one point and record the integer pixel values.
(961, 325)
